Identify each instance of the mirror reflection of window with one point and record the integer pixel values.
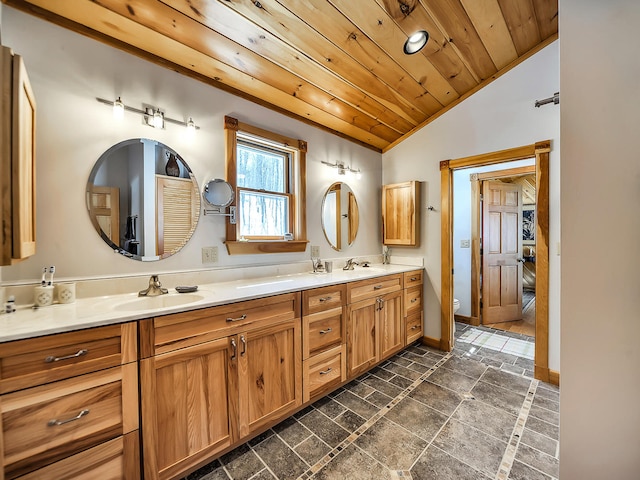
(143, 199)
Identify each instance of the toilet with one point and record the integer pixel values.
(456, 307)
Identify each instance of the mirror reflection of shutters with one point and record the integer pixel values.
(177, 214)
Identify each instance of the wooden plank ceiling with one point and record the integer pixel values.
(338, 64)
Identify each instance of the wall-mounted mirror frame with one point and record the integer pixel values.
(340, 216)
(143, 199)
(218, 194)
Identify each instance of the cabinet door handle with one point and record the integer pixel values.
(234, 346)
(244, 345)
(414, 327)
(324, 299)
(377, 287)
(414, 300)
(325, 371)
(79, 353)
(241, 317)
(323, 332)
(54, 422)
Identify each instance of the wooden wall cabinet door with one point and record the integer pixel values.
(401, 214)
(187, 406)
(392, 330)
(269, 374)
(17, 160)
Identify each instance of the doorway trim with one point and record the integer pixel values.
(540, 151)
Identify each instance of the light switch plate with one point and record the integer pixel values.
(315, 251)
(209, 254)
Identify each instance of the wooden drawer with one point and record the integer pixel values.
(412, 300)
(414, 327)
(116, 459)
(48, 423)
(322, 330)
(373, 287)
(324, 298)
(171, 332)
(36, 361)
(323, 371)
(413, 278)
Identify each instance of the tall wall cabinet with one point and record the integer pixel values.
(401, 214)
(17, 160)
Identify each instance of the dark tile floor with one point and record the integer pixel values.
(423, 414)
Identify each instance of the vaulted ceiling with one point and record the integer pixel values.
(338, 64)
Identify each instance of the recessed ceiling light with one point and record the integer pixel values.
(415, 42)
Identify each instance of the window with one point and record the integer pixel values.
(267, 172)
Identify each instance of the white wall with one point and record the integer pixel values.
(462, 229)
(600, 100)
(500, 116)
(68, 71)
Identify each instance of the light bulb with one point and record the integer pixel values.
(158, 119)
(191, 127)
(118, 109)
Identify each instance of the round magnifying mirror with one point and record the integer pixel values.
(143, 199)
(340, 216)
(218, 193)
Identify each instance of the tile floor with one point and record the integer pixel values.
(473, 413)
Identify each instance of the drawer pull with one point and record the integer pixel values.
(413, 279)
(55, 423)
(79, 353)
(325, 371)
(323, 332)
(414, 327)
(414, 300)
(377, 287)
(324, 299)
(241, 317)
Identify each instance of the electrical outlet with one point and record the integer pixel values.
(315, 251)
(465, 243)
(209, 254)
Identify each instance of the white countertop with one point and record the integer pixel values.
(29, 322)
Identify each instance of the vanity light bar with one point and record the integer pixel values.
(152, 117)
(342, 168)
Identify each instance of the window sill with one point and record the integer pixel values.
(257, 247)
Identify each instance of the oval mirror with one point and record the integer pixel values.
(340, 216)
(143, 199)
(218, 193)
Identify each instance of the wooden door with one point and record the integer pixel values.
(104, 211)
(363, 348)
(501, 252)
(177, 213)
(269, 374)
(392, 334)
(186, 408)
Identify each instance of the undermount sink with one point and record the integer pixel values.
(161, 301)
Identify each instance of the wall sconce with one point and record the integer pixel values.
(153, 117)
(344, 169)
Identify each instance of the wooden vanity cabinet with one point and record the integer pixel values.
(211, 377)
(69, 405)
(374, 322)
(413, 305)
(323, 339)
(17, 160)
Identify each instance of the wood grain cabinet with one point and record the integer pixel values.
(413, 306)
(374, 322)
(212, 377)
(69, 405)
(17, 160)
(401, 214)
(323, 340)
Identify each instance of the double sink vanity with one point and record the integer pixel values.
(154, 387)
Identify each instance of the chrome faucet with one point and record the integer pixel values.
(155, 288)
(350, 264)
(386, 254)
(318, 267)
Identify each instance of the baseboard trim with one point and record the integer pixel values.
(432, 342)
(554, 377)
(547, 375)
(463, 319)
